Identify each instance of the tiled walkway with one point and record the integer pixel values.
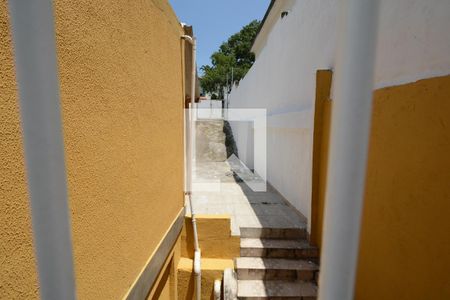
(217, 192)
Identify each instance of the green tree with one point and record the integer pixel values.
(233, 54)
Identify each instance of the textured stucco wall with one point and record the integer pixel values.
(18, 278)
(120, 72)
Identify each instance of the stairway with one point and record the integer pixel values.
(276, 263)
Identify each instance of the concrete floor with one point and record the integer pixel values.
(216, 191)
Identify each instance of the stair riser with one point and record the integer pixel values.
(268, 274)
(275, 289)
(273, 233)
(279, 253)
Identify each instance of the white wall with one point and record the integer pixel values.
(209, 109)
(244, 141)
(413, 43)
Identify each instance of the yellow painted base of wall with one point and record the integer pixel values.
(212, 269)
(405, 244)
(215, 239)
(218, 248)
(404, 249)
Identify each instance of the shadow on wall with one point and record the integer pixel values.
(245, 141)
(230, 143)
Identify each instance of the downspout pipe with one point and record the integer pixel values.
(350, 129)
(217, 289)
(191, 137)
(36, 68)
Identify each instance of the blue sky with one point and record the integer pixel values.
(215, 20)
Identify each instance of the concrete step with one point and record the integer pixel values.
(257, 268)
(259, 289)
(276, 248)
(274, 232)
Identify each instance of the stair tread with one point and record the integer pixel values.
(262, 288)
(261, 263)
(275, 244)
(274, 232)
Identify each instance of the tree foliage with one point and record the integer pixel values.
(233, 54)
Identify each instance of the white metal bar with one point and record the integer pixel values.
(35, 61)
(350, 128)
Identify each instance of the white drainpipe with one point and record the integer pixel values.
(350, 129)
(217, 289)
(190, 148)
(35, 62)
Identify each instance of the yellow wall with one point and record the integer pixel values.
(322, 114)
(214, 237)
(405, 245)
(218, 250)
(404, 249)
(121, 77)
(212, 269)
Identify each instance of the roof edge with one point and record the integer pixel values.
(266, 15)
